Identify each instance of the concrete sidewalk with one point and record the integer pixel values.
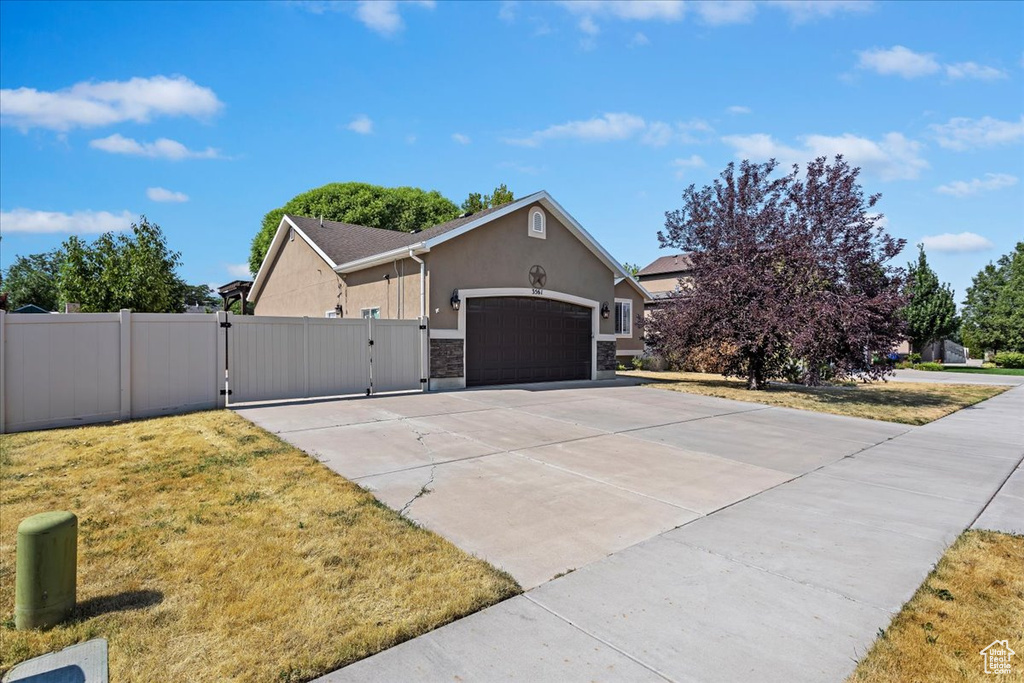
(945, 377)
(789, 585)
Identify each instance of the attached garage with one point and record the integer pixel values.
(512, 339)
(514, 293)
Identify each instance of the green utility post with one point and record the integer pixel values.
(47, 564)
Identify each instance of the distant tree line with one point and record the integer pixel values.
(993, 312)
(134, 269)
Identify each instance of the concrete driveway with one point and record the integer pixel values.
(543, 479)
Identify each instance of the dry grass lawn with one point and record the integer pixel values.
(210, 550)
(975, 595)
(914, 404)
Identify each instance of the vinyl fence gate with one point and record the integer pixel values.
(83, 368)
(280, 358)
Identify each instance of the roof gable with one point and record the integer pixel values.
(347, 247)
(675, 263)
(641, 290)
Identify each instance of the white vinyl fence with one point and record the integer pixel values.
(277, 358)
(62, 370)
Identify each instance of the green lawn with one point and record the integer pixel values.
(987, 371)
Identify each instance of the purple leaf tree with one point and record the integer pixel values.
(786, 269)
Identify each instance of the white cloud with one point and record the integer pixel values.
(963, 133)
(89, 104)
(507, 11)
(602, 129)
(616, 127)
(711, 12)
(737, 109)
(74, 223)
(966, 188)
(588, 26)
(721, 12)
(238, 270)
(681, 165)
(658, 134)
(159, 194)
(639, 40)
(959, 242)
(361, 124)
(520, 168)
(637, 10)
(893, 157)
(899, 61)
(902, 61)
(162, 148)
(461, 139)
(975, 71)
(802, 11)
(383, 16)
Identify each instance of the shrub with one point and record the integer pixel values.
(905, 365)
(638, 363)
(709, 358)
(929, 366)
(914, 357)
(1010, 359)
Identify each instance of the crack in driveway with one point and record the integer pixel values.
(425, 489)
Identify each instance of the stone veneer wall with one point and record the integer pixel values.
(606, 356)
(446, 358)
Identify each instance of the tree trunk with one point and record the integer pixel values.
(756, 380)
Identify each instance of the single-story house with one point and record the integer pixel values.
(666, 277)
(514, 293)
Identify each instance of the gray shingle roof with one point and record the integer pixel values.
(676, 263)
(345, 242)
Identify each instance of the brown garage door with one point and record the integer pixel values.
(521, 339)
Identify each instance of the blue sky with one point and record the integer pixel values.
(206, 116)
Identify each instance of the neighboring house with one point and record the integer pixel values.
(30, 308)
(940, 351)
(515, 293)
(666, 277)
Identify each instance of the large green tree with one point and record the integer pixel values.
(478, 202)
(32, 279)
(993, 313)
(392, 208)
(931, 310)
(631, 268)
(133, 270)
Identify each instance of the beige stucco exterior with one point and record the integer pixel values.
(499, 254)
(496, 255)
(634, 342)
(299, 283)
(397, 296)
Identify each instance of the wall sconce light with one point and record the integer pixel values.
(337, 309)
(455, 300)
(605, 311)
